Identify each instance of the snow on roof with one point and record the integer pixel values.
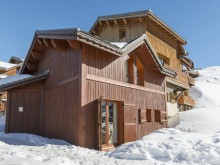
(119, 44)
(11, 79)
(6, 66)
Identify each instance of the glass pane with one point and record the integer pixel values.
(103, 122)
(112, 123)
(111, 128)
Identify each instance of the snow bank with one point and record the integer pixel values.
(172, 146)
(11, 79)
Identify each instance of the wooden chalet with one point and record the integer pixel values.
(99, 89)
(167, 44)
(7, 69)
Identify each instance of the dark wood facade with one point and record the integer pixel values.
(65, 105)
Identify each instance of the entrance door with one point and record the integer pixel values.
(108, 124)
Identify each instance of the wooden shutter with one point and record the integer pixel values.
(130, 123)
(142, 116)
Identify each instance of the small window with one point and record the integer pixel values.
(163, 59)
(122, 33)
(142, 116)
(157, 115)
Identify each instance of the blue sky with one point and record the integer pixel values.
(197, 21)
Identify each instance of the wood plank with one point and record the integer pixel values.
(118, 83)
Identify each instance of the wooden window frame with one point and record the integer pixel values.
(122, 33)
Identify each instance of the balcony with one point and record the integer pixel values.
(191, 81)
(185, 100)
(181, 78)
(2, 107)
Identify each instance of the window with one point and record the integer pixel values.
(184, 68)
(145, 115)
(140, 72)
(134, 71)
(122, 33)
(163, 59)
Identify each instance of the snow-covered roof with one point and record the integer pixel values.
(6, 66)
(15, 78)
(21, 79)
(119, 44)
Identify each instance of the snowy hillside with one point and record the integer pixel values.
(195, 141)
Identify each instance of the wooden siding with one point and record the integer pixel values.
(133, 28)
(29, 98)
(61, 112)
(109, 68)
(55, 103)
(161, 42)
(62, 65)
(62, 94)
(104, 64)
(139, 98)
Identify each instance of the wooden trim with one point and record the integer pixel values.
(41, 119)
(63, 82)
(129, 105)
(127, 124)
(172, 81)
(8, 113)
(123, 84)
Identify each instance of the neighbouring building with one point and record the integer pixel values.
(8, 69)
(101, 89)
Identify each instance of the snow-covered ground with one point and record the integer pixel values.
(195, 141)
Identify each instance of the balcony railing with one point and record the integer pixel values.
(185, 100)
(2, 107)
(191, 81)
(181, 77)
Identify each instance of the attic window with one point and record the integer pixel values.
(122, 33)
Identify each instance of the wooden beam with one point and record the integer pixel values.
(141, 20)
(100, 23)
(32, 67)
(40, 42)
(74, 44)
(107, 22)
(122, 84)
(125, 22)
(115, 22)
(93, 32)
(48, 44)
(37, 55)
(59, 45)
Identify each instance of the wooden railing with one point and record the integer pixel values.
(2, 107)
(185, 100)
(181, 77)
(191, 81)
